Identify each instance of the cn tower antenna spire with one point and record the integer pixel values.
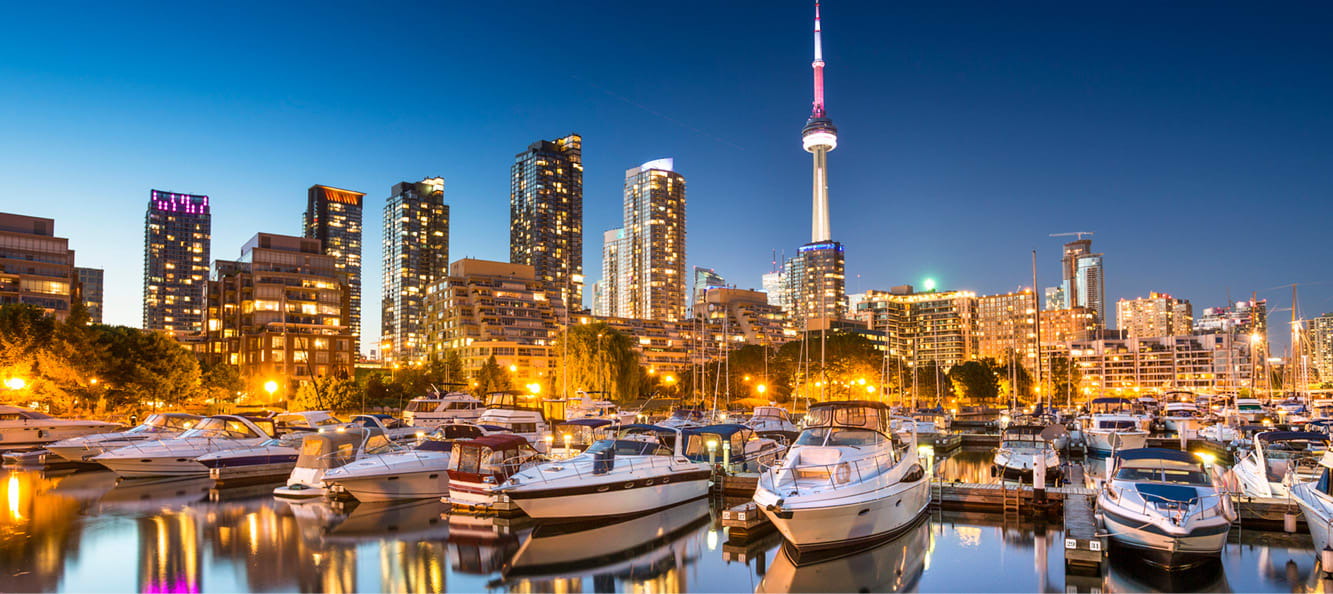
(818, 64)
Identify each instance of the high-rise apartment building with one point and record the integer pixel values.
(1125, 366)
(1320, 335)
(737, 317)
(90, 292)
(773, 286)
(1158, 314)
(815, 285)
(416, 255)
(36, 267)
(1006, 327)
(924, 327)
(648, 253)
(1083, 282)
(483, 309)
(280, 313)
(704, 279)
(333, 216)
(546, 215)
(177, 234)
(1242, 317)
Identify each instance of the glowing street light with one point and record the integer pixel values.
(762, 388)
(513, 369)
(15, 383)
(270, 386)
(535, 388)
(929, 284)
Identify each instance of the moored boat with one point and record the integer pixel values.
(478, 465)
(1279, 459)
(22, 428)
(417, 473)
(156, 426)
(180, 456)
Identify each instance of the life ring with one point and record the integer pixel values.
(843, 473)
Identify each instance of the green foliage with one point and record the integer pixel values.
(975, 381)
(329, 393)
(491, 378)
(929, 384)
(1003, 371)
(1065, 381)
(600, 358)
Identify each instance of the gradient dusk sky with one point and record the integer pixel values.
(1193, 138)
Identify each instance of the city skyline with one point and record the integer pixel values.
(1002, 144)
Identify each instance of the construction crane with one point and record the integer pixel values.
(1080, 234)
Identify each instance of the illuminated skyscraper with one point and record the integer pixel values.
(645, 278)
(704, 279)
(546, 215)
(416, 254)
(333, 216)
(90, 292)
(1083, 282)
(36, 267)
(177, 233)
(815, 278)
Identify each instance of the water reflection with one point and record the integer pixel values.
(87, 531)
(894, 566)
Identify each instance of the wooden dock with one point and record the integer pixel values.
(1084, 549)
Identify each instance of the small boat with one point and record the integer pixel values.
(156, 426)
(517, 414)
(1183, 417)
(180, 456)
(392, 428)
(1279, 459)
(1316, 500)
(1292, 411)
(417, 473)
(478, 465)
(1113, 426)
(644, 468)
(22, 428)
(771, 418)
(848, 480)
(434, 410)
(573, 437)
(685, 418)
(1321, 409)
(977, 417)
(323, 452)
(1022, 448)
(738, 448)
(307, 421)
(587, 407)
(1165, 506)
(1247, 410)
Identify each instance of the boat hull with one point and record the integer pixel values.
(154, 467)
(854, 522)
(1105, 443)
(1165, 550)
(390, 487)
(589, 501)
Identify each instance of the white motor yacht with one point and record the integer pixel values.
(1279, 459)
(570, 438)
(587, 407)
(1316, 500)
(1164, 505)
(1021, 448)
(156, 426)
(1247, 410)
(417, 473)
(327, 451)
(1113, 426)
(393, 429)
(771, 418)
(847, 479)
(434, 410)
(21, 428)
(1292, 411)
(735, 447)
(517, 414)
(180, 456)
(478, 465)
(642, 469)
(1321, 408)
(685, 418)
(1183, 417)
(268, 459)
(306, 421)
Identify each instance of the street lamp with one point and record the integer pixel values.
(15, 383)
(270, 386)
(762, 388)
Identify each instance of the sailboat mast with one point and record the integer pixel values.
(1036, 315)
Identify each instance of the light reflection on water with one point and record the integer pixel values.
(85, 532)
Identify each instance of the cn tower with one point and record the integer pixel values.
(819, 137)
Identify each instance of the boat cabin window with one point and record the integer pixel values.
(630, 447)
(218, 427)
(1117, 425)
(848, 416)
(463, 405)
(180, 423)
(456, 432)
(1249, 407)
(378, 443)
(421, 406)
(837, 436)
(1324, 483)
(1174, 476)
(466, 459)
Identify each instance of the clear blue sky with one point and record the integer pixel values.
(1193, 138)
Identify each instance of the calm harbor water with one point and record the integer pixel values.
(87, 532)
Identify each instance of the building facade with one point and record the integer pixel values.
(1083, 282)
(90, 292)
(546, 215)
(36, 267)
(177, 236)
(1217, 363)
(416, 255)
(333, 216)
(704, 279)
(662, 344)
(773, 286)
(280, 313)
(738, 317)
(815, 286)
(1321, 346)
(1006, 327)
(484, 309)
(643, 264)
(920, 328)
(1242, 317)
(1158, 314)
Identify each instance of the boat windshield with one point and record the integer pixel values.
(863, 417)
(421, 405)
(1171, 476)
(839, 436)
(218, 427)
(629, 447)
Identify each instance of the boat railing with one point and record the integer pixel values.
(189, 444)
(835, 475)
(1182, 507)
(412, 455)
(589, 466)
